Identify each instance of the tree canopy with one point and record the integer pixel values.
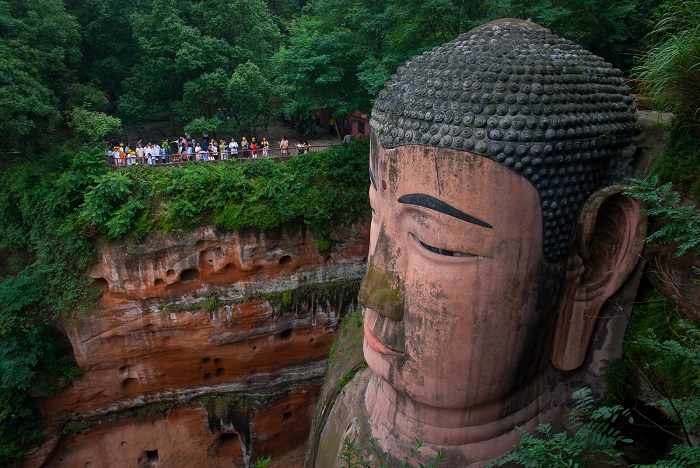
(177, 57)
(38, 55)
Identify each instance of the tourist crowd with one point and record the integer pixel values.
(186, 148)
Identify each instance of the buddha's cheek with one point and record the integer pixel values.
(465, 331)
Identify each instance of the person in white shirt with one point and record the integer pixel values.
(213, 150)
(233, 148)
(148, 152)
(139, 153)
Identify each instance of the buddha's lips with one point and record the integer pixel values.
(376, 344)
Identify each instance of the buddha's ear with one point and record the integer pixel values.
(609, 240)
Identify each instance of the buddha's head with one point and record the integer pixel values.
(494, 226)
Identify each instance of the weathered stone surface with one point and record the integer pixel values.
(204, 314)
(181, 437)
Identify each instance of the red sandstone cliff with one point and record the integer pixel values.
(206, 349)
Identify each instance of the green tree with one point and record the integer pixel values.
(186, 53)
(612, 30)
(334, 58)
(340, 54)
(38, 55)
(93, 125)
(250, 94)
(107, 42)
(155, 80)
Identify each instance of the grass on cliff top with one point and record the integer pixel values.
(323, 189)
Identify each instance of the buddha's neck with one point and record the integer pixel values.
(391, 411)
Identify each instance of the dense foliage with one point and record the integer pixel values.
(323, 189)
(670, 75)
(42, 279)
(681, 223)
(662, 357)
(70, 61)
(38, 55)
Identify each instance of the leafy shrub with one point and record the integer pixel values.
(668, 349)
(45, 281)
(681, 222)
(592, 438)
(670, 68)
(670, 75)
(353, 456)
(321, 188)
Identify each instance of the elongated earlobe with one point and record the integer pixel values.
(609, 240)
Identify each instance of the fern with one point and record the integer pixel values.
(682, 222)
(592, 438)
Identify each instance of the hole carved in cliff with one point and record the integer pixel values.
(150, 458)
(220, 371)
(285, 260)
(206, 360)
(286, 415)
(217, 361)
(128, 384)
(228, 441)
(159, 282)
(101, 284)
(207, 375)
(191, 274)
(285, 335)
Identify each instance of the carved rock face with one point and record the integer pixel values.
(458, 296)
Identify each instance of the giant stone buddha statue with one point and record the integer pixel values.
(498, 233)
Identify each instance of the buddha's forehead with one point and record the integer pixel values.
(443, 172)
(513, 92)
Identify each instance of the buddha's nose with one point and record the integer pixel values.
(381, 289)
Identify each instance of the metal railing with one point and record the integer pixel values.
(205, 157)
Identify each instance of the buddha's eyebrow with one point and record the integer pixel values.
(432, 203)
(371, 178)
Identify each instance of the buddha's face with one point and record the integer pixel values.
(458, 299)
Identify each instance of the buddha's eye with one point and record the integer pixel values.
(374, 212)
(447, 253)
